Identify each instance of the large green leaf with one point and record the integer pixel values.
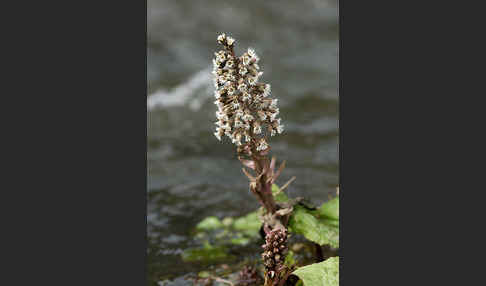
(324, 273)
(330, 222)
(302, 221)
(330, 209)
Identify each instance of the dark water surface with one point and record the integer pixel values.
(191, 175)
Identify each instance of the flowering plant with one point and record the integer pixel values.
(248, 116)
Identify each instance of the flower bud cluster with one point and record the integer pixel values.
(245, 110)
(275, 248)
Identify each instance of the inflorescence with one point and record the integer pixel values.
(245, 110)
(275, 248)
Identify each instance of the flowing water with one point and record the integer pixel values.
(191, 174)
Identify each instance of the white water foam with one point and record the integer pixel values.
(184, 93)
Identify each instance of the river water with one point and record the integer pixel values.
(191, 174)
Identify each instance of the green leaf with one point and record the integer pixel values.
(330, 222)
(303, 222)
(204, 274)
(249, 224)
(330, 209)
(230, 231)
(227, 221)
(209, 223)
(281, 197)
(324, 273)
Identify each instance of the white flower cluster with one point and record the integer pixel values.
(244, 105)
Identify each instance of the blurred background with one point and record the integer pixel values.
(191, 175)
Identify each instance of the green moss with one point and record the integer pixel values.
(207, 254)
